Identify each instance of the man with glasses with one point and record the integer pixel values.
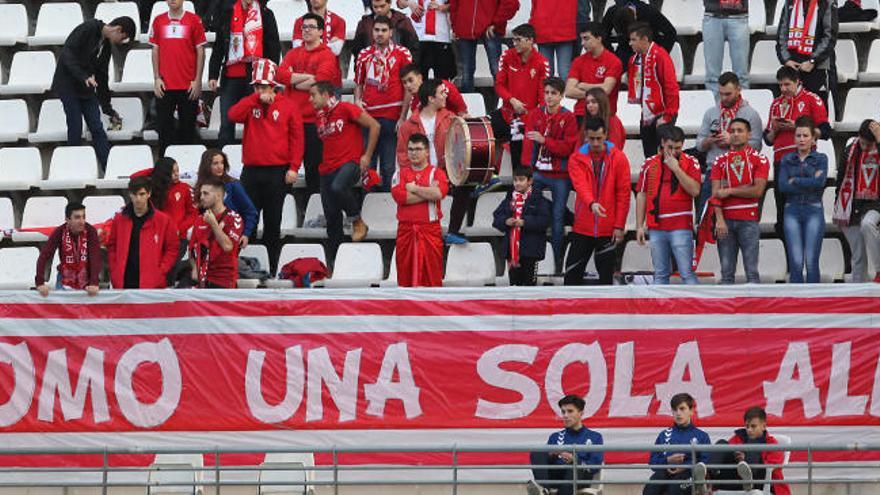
(333, 32)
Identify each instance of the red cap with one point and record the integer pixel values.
(264, 72)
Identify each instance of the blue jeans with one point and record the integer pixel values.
(742, 235)
(559, 190)
(559, 56)
(385, 156)
(804, 226)
(232, 90)
(734, 30)
(467, 52)
(666, 244)
(338, 195)
(75, 110)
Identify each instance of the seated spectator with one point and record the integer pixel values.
(575, 432)
(739, 178)
(755, 432)
(402, 31)
(596, 68)
(726, 21)
(215, 163)
(430, 19)
(216, 239)
(476, 21)
(617, 23)
(79, 254)
(801, 181)
(808, 47)
(143, 242)
(652, 84)
(172, 197)
(418, 190)
(857, 207)
(598, 105)
(332, 30)
(412, 78)
(523, 217)
(668, 184)
(670, 464)
(555, 24)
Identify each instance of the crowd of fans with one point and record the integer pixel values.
(392, 138)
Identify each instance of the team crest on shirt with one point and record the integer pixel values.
(801, 106)
(275, 114)
(869, 173)
(600, 71)
(177, 196)
(737, 167)
(258, 113)
(156, 238)
(532, 73)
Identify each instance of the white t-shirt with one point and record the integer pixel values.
(430, 125)
(441, 24)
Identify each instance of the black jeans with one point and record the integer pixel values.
(338, 195)
(543, 474)
(312, 156)
(580, 248)
(75, 110)
(526, 274)
(461, 203)
(266, 188)
(182, 130)
(501, 129)
(683, 488)
(817, 81)
(437, 56)
(232, 90)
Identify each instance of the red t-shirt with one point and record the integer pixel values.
(676, 211)
(740, 168)
(177, 40)
(339, 130)
(222, 267)
(803, 103)
(426, 211)
(319, 62)
(378, 71)
(454, 101)
(593, 70)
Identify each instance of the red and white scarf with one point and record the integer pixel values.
(74, 258)
(430, 17)
(517, 205)
(644, 85)
(379, 66)
(245, 34)
(728, 114)
(802, 27)
(860, 181)
(323, 117)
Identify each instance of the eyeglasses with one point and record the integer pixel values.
(309, 27)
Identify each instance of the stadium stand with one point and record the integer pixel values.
(72, 167)
(20, 169)
(54, 22)
(16, 123)
(357, 265)
(13, 24)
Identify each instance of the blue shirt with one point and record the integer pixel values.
(237, 200)
(684, 436)
(584, 436)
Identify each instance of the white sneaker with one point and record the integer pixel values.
(745, 474)
(533, 488)
(699, 476)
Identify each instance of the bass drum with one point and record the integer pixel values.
(472, 156)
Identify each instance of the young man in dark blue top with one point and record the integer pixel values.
(575, 433)
(674, 464)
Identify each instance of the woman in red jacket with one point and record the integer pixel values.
(598, 105)
(172, 197)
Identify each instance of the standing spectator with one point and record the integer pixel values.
(215, 163)
(600, 175)
(551, 135)
(801, 181)
(402, 31)
(652, 84)
(857, 207)
(430, 18)
(523, 216)
(332, 30)
(79, 254)
(379, 91)
(341, 126)
(80, 79)
(805, 39)
(216, 239)
(172, 197)
(432, 120)
(617, 24)
(726, 20)
(555, 23)
(598, 105)
(475, 21)
(412, 78)
(302, 67)
(418, 190)
(596, 68)
(668, 184)
(246, 32)
(272, 150)
(178, 40)
(739, 178)
(143, 242)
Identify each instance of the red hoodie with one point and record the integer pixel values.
(320, 62)
(273, 134)
(158, 248)
(471, 18)
(521, 80)
(179, 204)
(554, 20)
(768, 457)
(611, 190)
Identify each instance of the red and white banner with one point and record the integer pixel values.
(416, 367)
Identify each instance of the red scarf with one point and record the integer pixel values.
(802, 27)
(517, 204)
(378, 70)
(643, 84)
(864, 186)
(430, 18)
(728, 114)
(74, 259)
(245, 34)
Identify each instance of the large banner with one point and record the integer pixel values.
(412, 367)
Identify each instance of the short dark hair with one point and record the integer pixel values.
(522, 172)
(325, 87)
(575, 400)
(642, 30)
(669, 132)
(427, 90)
(420, 139)
(728, 78)
(594, 124)
(740, 120)
(314, 17)
(865, 130)
(406, 69)
(594, 28)
(72, 207)
(555, 83)
(683, 398)
(127, 25)
(135, 184)
(381, 19)
(213, 181)
(805, 121)
(525, 31)
(786, 72)
(755, 413)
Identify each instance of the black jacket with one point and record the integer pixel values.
(271, 41)
(85, 53)
(826, 35)
(403, 34)
(536, 218)
(664, 32)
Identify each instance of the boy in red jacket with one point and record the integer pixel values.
(272, 150)
(600, 176)
(652, 84)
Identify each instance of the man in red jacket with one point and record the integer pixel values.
(475, 21)
(598, 67)
(79, 254)
(600, 176)
(143, 242)
(302, 67)
(272, 150)
(652, 84)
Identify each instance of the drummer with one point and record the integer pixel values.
(412, 78)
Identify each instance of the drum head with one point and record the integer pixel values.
(458, 151)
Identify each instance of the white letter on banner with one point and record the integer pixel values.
(839, 402)
(19, 357)
(56, 379)
(786, 388)
(591, 355)
(405, 389)
(253, 386)
(342, 390)
(875, 392)
(136, 412)
(687, 359)
(489, 369)
(623, 403)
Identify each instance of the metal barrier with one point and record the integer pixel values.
(808, 472)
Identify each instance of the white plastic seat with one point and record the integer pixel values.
(132, 112)
(546, 268)
(188, 157)
(30, 73)
(16, 122)
(107, 11)
(698, 72)
(123, 161)
(470, 265)
(483, 216)
(764, 63)
(685, 15)
(630, 114)
(259, 252)
(290, 252)
(635, 153)
(872, 70)
(40, 211)
(357, 265)
(295, 464)
(760, 100)
(379, 212)
(637, 258)
(7, 217)
(55, 22)
(772, 263)
(17, 267)
(314, 209)
(102, 208)
(677, 61)
(71, 167)
(710, 262)
(391, 279)
(847, 60)
(861, 104)
(831, 262)
(774, 23)
(476, 105)
(13, 24)
(768, 212)
(51, 124)
(233, 154)
(20, 169)
(137, 72)
(175, 472)
(694, 105)
(352, 12)
(757, 16)
(522, 16)
(826, 146)
(286, 13)
(482, 72)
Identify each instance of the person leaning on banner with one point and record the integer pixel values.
(216, 239)
(79, 254)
